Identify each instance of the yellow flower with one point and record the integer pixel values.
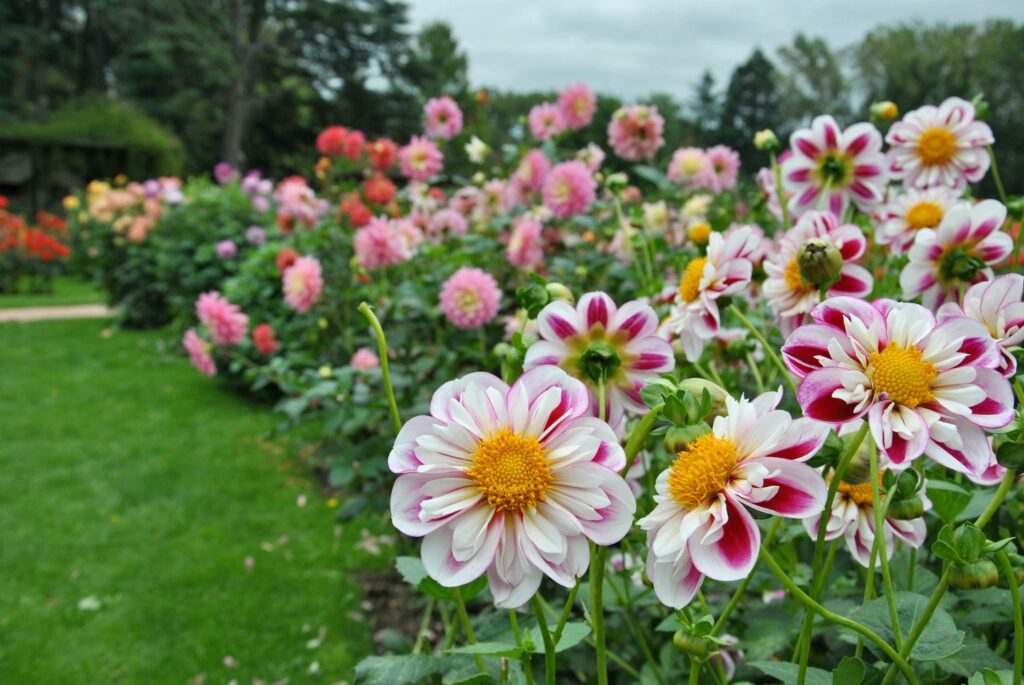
(885, 110)
(120, 180)
(71, 203)
(699, 233)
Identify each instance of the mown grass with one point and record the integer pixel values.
(66, 291)
(129, 478)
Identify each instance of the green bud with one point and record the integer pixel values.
(959, 264)
(981, 108)
(1015, 206)
(907, 508)
(697, 386)
(599, 361)
(617, 181)
(820, 262)
(969, 542)
(690, 644)
(977, 575)
(767, 141)
(532, 297)
(884, 110)
(557, 291)
(677, 438)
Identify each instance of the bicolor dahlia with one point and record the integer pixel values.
(532, 170)
(997, 306)
(524, 245)
(788, 292)
(511, 482)
(596, 340)
(911, 211)
(199, 353)
(470, 298)
(691, 167)
(701, 525)
(939, 146)
(226, 323)
(634, 132)
(264, 340)
(382, 153)
(569, 189)
(725, 165)
(960, 252)
(924, 387)
(420, 159)
(302, 283)
(546, 121)
(578, 104)
(444, 118)
(726, 270)
(847, 165)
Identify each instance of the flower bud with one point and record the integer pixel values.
(718, 394)
(969, 542)
(977, 575)
(699, 233)
(325, 371)
(617, 181)
(906, 509)
(885, 110)
(599, 361)
(557, 291)
(820, 262)
(690, 644)
(981, 108)
(766, 140)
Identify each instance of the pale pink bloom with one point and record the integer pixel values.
(302, 283)
(725, 165)
(691, 167)
(925, 387)
(524, 245)
(578, 104)
(511, 482)
(420, 159)
(788, 294)
(997, 306)
(226, 249)
(470, 297)
(379, 243)
(634, 132)
(225, 321)
(580, 339)
(224, 173)
(765, 178)
(495, 200)
(569, 189)
(532, 170)
(444, 118)
(421, 197)
(199, 353)
(296, 199)
(546, 121)
(410, 235)
(701, 525)
(725, 271)
(447, 221)
(465, 200)
(961, 251)
(364, 360)
(911, 211)
(592, 155)
(848, 164)
(940, 146)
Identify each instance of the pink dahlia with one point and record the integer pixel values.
(331, 141)
(447, 221)
(592, 156)
(444, 118)
(532, 170)
(470, 298)
(939, 146)
(302, 283)
(546, 121)
(691, 167)
(844, 165)
(199, 353)
(524, 245)
(380, 243)
(701, 524)
(997, 305)
(725, 165)
(925, 387)
(382, 153)
(225, 321)
(577, 104)
(634, 132)
(569, 189)
(511, 482)
(264, 340)
(364, 359)
(420, 159)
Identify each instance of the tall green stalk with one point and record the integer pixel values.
(382, 351)
(1018, 619)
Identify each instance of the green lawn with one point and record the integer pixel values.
(66, 291)
(129, 481)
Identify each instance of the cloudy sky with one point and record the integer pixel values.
(634, 47)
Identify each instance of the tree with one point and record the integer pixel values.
(751, 104)
(434, 65)
(811, 81)
(707, 109)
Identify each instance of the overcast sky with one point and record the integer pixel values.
(634, 47)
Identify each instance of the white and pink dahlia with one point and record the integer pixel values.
(225, 321)
(470, 297)
(578, 104)
(961, 251)
(725, 165)
(911, 211)
(924, 387)
(690, 167)
(511, 482)
(546, 121)
(525, 249)
(420, 159)
(443, 118)
(997, 306)
(701, 525)
(598, 339)
(302, 283)
(532, 170)
(843, 165)
(726, 270)
(569, 189)
(635, 132)
(592, 156)
(939, 146)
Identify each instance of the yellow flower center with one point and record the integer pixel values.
(902, 375)
(511, 470)
(699, 233)
(467, 300)
(794, 280)
(936, 147)
(689, 284)
(925, 214)
(563, 191)
(860, 493)
(701, 470)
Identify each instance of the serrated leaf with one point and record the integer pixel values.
(786, 673)
(407, 669)
(972, 657)
(573, 634)
(939, 639)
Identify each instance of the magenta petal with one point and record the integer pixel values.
(733, 556)
(815, 396)
(801, 489)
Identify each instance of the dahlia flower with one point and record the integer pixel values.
(296, 200)
(569, 189)
(379, 243)
(524, 245)
(477, 150)
(997, 306)
(364, 359)
(726, 270)
(352, 146)
(847, 165)
(700, 525)
(470, 298)
(788, 293)
(592, 156)
(264, 340)
(961, 251)
(224, 173)
(939, 146)
(596, 340)
(225, 321)
(690, 167)
(926, 388)
(546, 121)
(577, 104)
(331, 141)
(382, 153)
(634, 132)
(302, 283)
(255, 235)
(226, 249)
(447, 221)
(532, 170)
(379, 189)
(420, 159)
(911, 211)
(511, 482)
(444, 118)
(199, 353)
(725, 165)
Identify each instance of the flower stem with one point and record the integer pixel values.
(382, 347)
(639, 437)
(527, 667)
(879, 511)
(757, 373)
(1018, 619)
(424, 624)
(597, 610)
(777, 169)
(767, 348)
(694, 671)
(995, 174)
(460, 606)
(738, 594)
(545, 634)
(566, 610)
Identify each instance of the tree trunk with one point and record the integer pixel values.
(243, 80)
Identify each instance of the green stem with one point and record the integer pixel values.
(566, 610)
(382, 347)
(589, 641)
(545, 634)
(768, 349)
(527, 667)
(805, 599)
(757, 373)
(460, 606)
(694, 671)
(1018, 619)
(597, 610)
(738, 594)
(879, 511)
(424, 624)
(641, 638)
(780, 192)
(995, 174)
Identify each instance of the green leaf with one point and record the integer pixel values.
(573, 634)
(407, 669)
(990, 677)
(939, 639)
(489, 649)
(786, 673)
(412, 571)
(948, 499)
(974, 656)
(1011, 455)
(850, 671)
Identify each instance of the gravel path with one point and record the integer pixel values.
(78, 311)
